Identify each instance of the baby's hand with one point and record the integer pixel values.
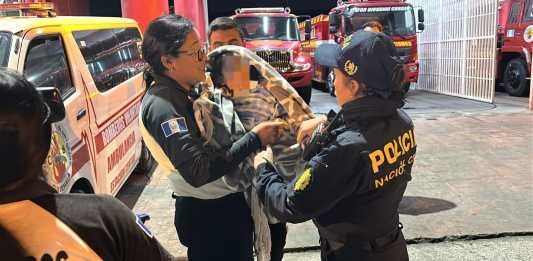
(263, 157)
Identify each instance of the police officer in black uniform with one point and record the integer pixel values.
(211, 219)
(360, 162)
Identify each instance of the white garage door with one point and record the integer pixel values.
(457, 50)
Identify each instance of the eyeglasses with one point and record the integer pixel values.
(200, 53)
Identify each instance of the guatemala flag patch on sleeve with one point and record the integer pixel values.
(173, 126)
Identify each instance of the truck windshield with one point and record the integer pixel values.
(269, 28)
(5, 47)
(396, 20)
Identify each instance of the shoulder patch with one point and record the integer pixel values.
(143, 227)
(303, 181)
(173, 126)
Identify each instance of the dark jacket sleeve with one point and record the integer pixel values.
(169, 128)
(133, 239)
(207, 167)
(108, 226)
(329, 177)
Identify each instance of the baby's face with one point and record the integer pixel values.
(236, 72)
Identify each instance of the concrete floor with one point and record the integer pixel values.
(473, 175)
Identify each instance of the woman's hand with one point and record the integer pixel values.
(307, 127)
(269, 131)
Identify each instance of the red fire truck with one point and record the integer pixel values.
(515, 40)
(273, 34)
(396, 16)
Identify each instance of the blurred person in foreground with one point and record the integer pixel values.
(37, 222)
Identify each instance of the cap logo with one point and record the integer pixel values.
(350, 68)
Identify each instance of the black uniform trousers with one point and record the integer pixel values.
(215, 229)
(278, 236)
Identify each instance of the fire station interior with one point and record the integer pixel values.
(303, 8)
(313, 8)
(216, 8)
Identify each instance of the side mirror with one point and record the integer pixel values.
(421, 18)
(307, 30)
(308, 27)
(333, 23)
(421, 27)
(52, 98)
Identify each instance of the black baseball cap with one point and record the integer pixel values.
(366, 57)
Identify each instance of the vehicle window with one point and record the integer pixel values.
(112, 55)
(269, 28)
(398, 20)
(5, 48)
(46, 65)
(513, 16)
(528, 16)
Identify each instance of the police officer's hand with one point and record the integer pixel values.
(307, 127)
(269, 131)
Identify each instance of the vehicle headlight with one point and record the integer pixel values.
(413, 68)
(301, 66)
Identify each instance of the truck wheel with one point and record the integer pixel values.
(319, 86)
(82, 186)
(330, 83)
(146, 161)
(406, 86)
(305, 93)
(514, 78)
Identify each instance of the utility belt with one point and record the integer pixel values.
(383, 242)
(379, 244)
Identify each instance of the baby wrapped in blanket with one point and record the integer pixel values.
(249, 91)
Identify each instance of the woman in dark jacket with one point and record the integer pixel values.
(211, 219)
(358, 172)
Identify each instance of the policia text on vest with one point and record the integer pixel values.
(391, 161)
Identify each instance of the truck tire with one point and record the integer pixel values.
(82, 186)
(515, 78)
(305, 93)
(406, 86)
(330, 85)
(146, 161)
